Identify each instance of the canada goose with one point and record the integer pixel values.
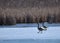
(42, 28)
(45, 27)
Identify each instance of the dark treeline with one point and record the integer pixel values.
(29, 11)
(12, 16)
(11, 20)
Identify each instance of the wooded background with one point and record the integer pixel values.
(29, 11)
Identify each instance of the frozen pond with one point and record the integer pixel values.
(29, 25)
(26, 34)
(29, 33)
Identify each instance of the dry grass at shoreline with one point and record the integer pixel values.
(10, 16)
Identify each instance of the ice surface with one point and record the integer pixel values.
(29, 33)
